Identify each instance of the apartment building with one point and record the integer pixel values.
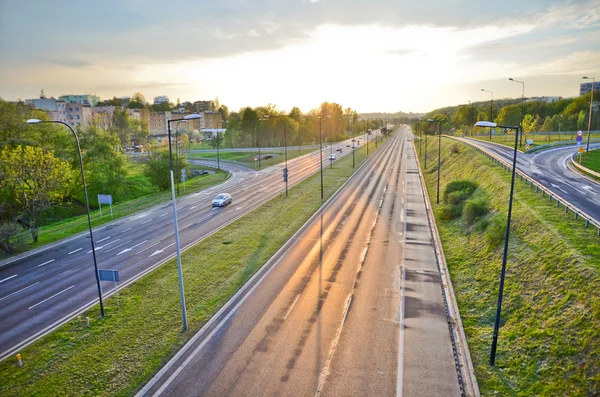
(79, 115)
(161, 99)
(584, 88)
(83, 99)
(201, 106)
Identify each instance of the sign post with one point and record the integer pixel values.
(105, 199)
(110, 275)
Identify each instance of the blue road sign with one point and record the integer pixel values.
(579, 138)
(108, 275)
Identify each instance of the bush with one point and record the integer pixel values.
(454, 149)
(496, 230)
(468, 187)
(474, 209)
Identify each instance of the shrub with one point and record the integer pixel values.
(454, 149)
(468, 187)
(474, 209)
(496, 230)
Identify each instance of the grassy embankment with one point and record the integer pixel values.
(591, 160)
(144, 196)
(549, 341)
(248, 157)
(122, 351)
(538, 139)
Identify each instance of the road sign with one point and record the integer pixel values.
(110, 275)
(256, 158)
(526, 146)
(105, 199)
(581, 149)
(579, 138)
(579, 133)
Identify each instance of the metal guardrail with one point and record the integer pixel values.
(583, 169)
(579, 213)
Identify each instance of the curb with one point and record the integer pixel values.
(465, 368)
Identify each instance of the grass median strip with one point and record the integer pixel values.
(248, 157)
(117, 354)
(549, 340)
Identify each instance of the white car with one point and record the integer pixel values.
(332, 157)
(353, 146)
(222, 200)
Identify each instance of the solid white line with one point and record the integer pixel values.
(126, 230)
(145, 241)
(47, 299)
(72, 252)
(114, 241)
(120, 245)
(45, 263)
(165, 214)
(8, 278)
(239, 208)
(291, 307)
(21, 290)
(99, 241)
(143, 223)
(150, 246)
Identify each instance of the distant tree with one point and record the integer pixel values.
(36, 179)
(157, 169)
(531, 123)
(509, 115)
(295, 113)
(547, 125)
(248, 126)
(224, 110)
(139, 97)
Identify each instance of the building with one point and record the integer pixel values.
(55, 109)
(211, 120)
(79, 115)
(157, 122)
(584, 88)
(84, 99)
(201, 106)
(161, 99)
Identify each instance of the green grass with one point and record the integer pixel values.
(119, 353)
(248, 157)
(591, 160)
(549, 341)
(538, 139)
(76, 224)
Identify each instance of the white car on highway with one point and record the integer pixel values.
(222, 200)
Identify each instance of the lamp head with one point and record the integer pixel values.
(34, 121)
(511, 79)
(193, 116)
(485, 124)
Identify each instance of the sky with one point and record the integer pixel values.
(370, 55)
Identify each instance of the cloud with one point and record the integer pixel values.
(70, 62)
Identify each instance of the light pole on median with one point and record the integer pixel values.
(367, 136)
(177, 148)
(354, 140)
(506, 238)
(491, 109)
(176, 228)
(587, 149)
(321, 149)
(87, 203)
(285, 170)
(264, 118)
(439, 157)
(218, 160)
(522, 106)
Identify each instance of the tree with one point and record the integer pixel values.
(36, 179)
(509, 115)
(138, 97)
(158, 169)
(295, 113)
(531, 123)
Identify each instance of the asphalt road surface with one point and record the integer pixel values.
(549, 168)
(44, 289)
(352, 306)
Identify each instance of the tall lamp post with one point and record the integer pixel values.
(330, 145)
(87, 203)
(522, 106)
(321, 149)
(367, 136)
(506, 238)
(426, 125)
(587, 149)
(218, 161)
(177, 247)
(354, 141)
(177, 148)
(264, 118)
(285, 170)
(491, 109)
(439, 156)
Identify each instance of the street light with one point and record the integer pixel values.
(177, 248)
(367, 136)
(522, 105)
(87, 203)
(285, 171)
(491, 109)
(587, 149)
(354, 140)
(177, 148)
(218, 161)
(505, 256)
(330, 146)
(321, 149)
(264, 118)
(439, 157)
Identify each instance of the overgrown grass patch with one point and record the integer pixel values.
(120, 352)
(549, 340)
(591, 160)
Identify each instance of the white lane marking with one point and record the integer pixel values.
(45, 263)
(559, 188)
(106, 238)
(291, 307)
(239, 208)
(120, 245)
(161, 250)
(192, 207)
(148, 221)
(148, 247)
(21, 290)
(105, 245)
(126, 230)
(47, 299)
(8, 278)
(214, 208)
(129, 249)
(165, 214)
(72, 252)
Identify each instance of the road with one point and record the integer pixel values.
(352, 306)
(44, 289)
(549, 168)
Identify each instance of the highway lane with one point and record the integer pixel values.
(549, 168)
(352, 307)
(42, 289)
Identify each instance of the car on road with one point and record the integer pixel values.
(353, 146)
(338, 149)
(347, 145)
(332, 156)
(222, 200)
